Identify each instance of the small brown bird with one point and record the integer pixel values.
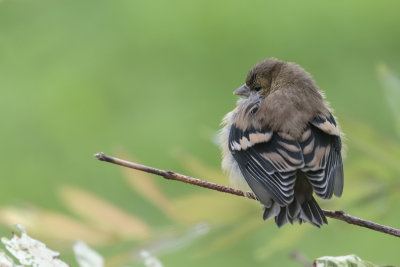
(283, 142)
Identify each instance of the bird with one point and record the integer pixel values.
(283, 143)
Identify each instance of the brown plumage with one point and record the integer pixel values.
(283, 142)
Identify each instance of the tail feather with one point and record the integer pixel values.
(306, 212)
(294, 209)
(318, 214)
(309, 211)
(282, 217)
(271, 210)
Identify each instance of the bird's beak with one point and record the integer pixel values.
(242, 90)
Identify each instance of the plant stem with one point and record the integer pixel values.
(170, 175)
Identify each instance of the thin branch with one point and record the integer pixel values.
(337, 214)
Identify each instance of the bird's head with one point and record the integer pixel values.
(259, 78)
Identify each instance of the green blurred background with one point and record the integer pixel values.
(150, 81)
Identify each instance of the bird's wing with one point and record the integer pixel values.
(321, 146)
(268, 161)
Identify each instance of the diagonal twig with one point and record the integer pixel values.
(336, 214)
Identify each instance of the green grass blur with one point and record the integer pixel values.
(153, 79)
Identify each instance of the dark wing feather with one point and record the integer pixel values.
(321, 146)
(269, 165)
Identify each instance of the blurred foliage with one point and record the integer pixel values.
(153, 80)
(391, 86)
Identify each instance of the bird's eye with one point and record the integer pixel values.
(257, 88)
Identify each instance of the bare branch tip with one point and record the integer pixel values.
(99, 156)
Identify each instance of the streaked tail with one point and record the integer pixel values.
(308, 211)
